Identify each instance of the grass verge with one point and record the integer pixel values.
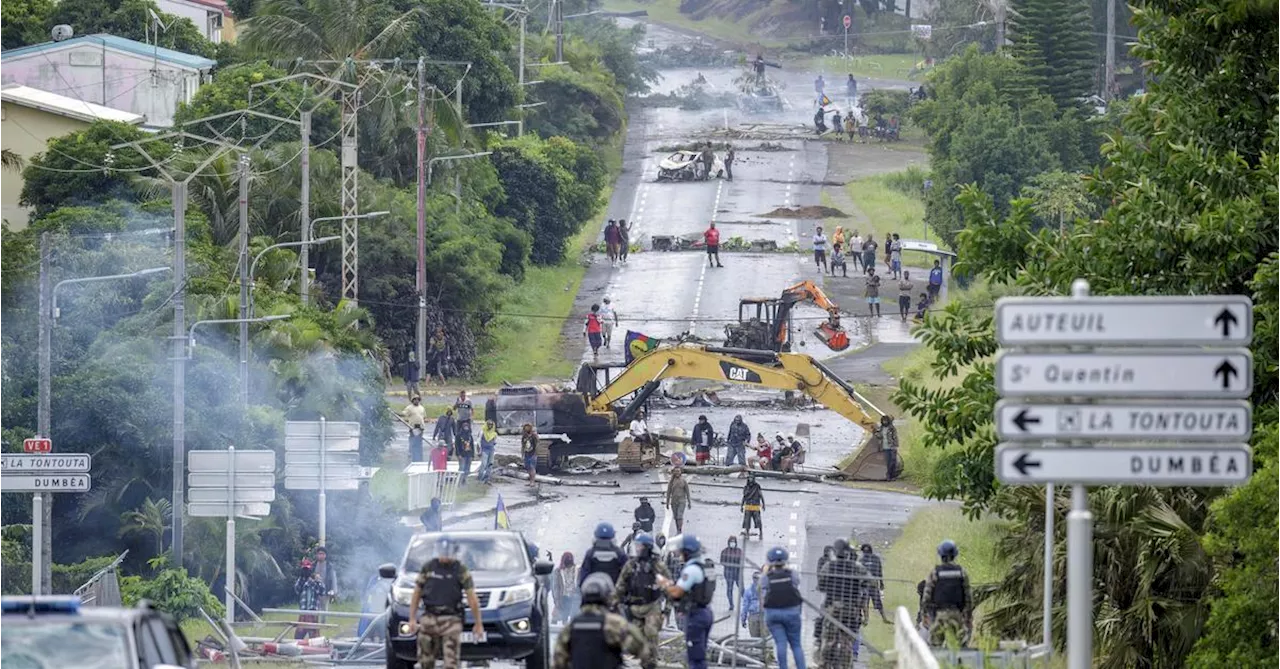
(911, 557)
(526, 336)
(667, 12)
(889, 210)
(878, 66)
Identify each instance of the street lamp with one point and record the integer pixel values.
(422, 256)
(49, 313)
(191, 334)
(253, 267)
(304, 258)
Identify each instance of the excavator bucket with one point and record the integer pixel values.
(874, 461)
(834, 337)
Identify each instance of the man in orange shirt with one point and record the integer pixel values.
(712, 239)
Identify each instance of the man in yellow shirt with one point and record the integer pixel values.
(415, 416)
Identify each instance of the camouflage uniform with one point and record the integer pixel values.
(441, 634)
(954, 618)
(843, 579)
(648, 615)
(678, 500)
(617, 632)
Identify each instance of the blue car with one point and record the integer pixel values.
(511, 588)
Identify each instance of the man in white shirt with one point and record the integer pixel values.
(608, 319)
(855, 250)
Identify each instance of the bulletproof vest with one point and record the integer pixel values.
(843, 584)
(782, 593)
(588, 648)
(700, 595)
(641, 586)
(607, 560)
(948, 586)
(443, 591)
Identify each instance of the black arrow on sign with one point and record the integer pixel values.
(1226, 319)
(1022, 420)
(1022, 464)
(1226, 370)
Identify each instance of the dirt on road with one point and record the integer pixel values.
(809, 212)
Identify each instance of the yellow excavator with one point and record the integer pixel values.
(769, 329)
(588, 420)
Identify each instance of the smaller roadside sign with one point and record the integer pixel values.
(1130, 421)
(243, 481)
(313, 483)
(243, 496)
(73, 463)
(338, 459)
(1175, 374)
(1197, 466)
(333, 429)
(37, 445)
(216, 510)
(1224, 320)
(219, 461)
(45, 483)
(848, 21)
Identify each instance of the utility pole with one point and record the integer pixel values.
(42, 513)
(179, 357)
(350, 199)
(421, 283)
(557, 15)
(304, 212)
(523, 18)
(1110, 80)
(243, 169)
(1002, 7)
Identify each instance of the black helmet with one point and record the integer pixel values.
(841, 546)
(866, 548)
(596, 589)
(947, 550)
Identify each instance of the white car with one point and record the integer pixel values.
(685, 166)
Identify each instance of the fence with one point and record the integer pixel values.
(911, 650)
(425, 483)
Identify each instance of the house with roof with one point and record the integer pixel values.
(212, 17)
(29, 118)
(110, 71)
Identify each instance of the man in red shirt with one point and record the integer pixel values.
(593, 329)
(712, 239)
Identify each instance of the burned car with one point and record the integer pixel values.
(686, 166)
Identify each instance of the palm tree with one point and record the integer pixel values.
(1058, 194)
(334, 30)
(11, 161)
(150, 518)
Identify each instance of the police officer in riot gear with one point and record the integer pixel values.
(440, 588)
(843, 581)
(694, 590)
(947, 600)
(782, 606)
(638, 590)
(603, 557)
(596, 638)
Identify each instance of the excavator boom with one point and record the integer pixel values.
(830, 332)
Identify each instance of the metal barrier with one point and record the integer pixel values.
(426, 483)
(912, 651)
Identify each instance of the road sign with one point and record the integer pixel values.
(1179, 374)
(313, 483)
(217, 461)
(1225, 320)
(22, 463)
(848, 21)
(45, 483)
(219, 480)
(305, 436)
(346, 471)
(37, 445)
(1170, 465)
(342, 459)
(243, 495)
(1143, 421)
(219, 509)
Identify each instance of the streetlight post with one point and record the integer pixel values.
(422, 258)
(191, 333)
(41, 513)
(253, 267)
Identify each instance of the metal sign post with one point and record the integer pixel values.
(228, 592)
(322, 456)
(1083, 352)
(40, 471)
(848, 21)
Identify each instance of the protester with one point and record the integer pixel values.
(872, 291)
(820, 249)
(529, 450)
(838, 260)
(731, 563)
(412, 373)
(855, 249)
(764, 453)
(711, 237)
(922, 306)
(888, 250)
(624, 239)
(875, 588)
(611, 239)
(752, 506)
(750, 616)
(328, 576)
(445, 428)
(462, 418)
(593, 330)
(564, 589)
(904, 296)
(440, 456)
(895, 256)
(739, 435)
(678, 498)
(310, 590)
(728, 164)
(869, 254)
(466, 452)
(608, 319)
(645, 515)
(851, 87)
(703, 438)
(935, 280)
(415, 416)
(437, 355)
(432, 519)
(488, 444)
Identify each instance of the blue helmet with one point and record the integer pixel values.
(690, 544)
(644, 539)
(604, 531)
(947, 550)
(778, 555)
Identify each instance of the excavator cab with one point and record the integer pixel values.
(763, 325)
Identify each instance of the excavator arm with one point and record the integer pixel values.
(830, 332)
(780, 371)
(808, 290)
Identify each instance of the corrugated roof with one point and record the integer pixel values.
(120, 44)
(65, 106)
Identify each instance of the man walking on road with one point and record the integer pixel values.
(728, 164)
(624, 240)
(873, 293)
(935, 281)
(874, 587)
(712, 239)
(608, 319)
(678, 498)
(752, 506)
(703, 438)
(412, 372)
(593, 330)
(415, 416)
(611, 242)
(637, 589)
(731, 563)
(739, 435)
(445, 428)
(645, 515)
(462, 410)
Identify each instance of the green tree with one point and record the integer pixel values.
(230, 91)
(1058, 197)
(173, 592)
(553, 187)
(130, 19)
(327, 29)
(152, 518)
(1051, 37)
(81, 168)
(25, 22)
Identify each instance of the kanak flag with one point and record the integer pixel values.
(636, 345)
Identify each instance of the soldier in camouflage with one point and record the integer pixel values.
(638, 591)
(440, 588)
(596, 638)
(947, 600)
(843, 579)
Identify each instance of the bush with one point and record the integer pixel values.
(884, 103)
(173, 592)
(909, 181)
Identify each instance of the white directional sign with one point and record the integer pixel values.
(339, 459)
(219, 480)
(305, 436)
(1141, 421)
(219, 509)
(45, 483)
(217, 461)
(243, 495)
(1225, 320)
(1207, 465)
(1173, 374)
(331, 483)
(46, 462)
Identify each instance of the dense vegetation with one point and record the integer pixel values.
(1183, 577)
(514, 209)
